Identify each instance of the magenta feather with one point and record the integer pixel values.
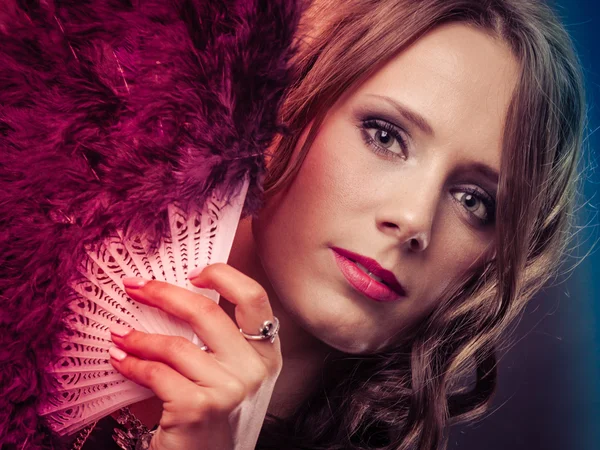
(109, 111)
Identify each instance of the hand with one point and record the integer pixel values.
(211, 400)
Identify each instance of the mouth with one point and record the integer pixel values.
(372, 275)
(367, 276)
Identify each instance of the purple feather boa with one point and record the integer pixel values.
(109, 111)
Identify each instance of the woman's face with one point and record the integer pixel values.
(409, 186)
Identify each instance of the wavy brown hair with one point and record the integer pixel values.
(406, 397)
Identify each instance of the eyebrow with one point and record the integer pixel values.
(412, 116)
(486, 171)
(420, 122)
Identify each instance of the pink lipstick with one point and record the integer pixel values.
(386, 290)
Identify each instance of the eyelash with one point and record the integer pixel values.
(489, 203)
(388, 128)
(484, 198)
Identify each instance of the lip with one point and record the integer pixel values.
(373, 289)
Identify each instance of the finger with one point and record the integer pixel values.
(180, 395)
(208, 320)
(251, 300)
(177, 352)
(166, 383)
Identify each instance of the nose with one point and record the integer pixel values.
(408, 216)
(416, 241)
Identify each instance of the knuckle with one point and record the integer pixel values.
(259, 375)
(198, 415)
(209, 307)
(236, 392)
(258, 295)
(200, 408)
(177, 344)
(208, 408)
(189, 315)
(153, 372)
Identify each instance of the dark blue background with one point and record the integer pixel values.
(549, 391)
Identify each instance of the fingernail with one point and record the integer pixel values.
(134, 282)
(194, 273)
(117, 353)
(120, 330)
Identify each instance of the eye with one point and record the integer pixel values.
(381, 137)
(478, 204)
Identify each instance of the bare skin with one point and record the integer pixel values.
(418, 215)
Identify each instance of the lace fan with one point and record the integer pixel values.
(88, 386)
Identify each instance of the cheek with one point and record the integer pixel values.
(299, 221)
(326, 195)
(456, 252)
(335, 177)
(329, 172)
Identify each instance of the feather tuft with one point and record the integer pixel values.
(109, 112)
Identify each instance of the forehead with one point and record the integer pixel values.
(459, 78)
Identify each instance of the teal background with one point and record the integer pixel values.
(549, 391)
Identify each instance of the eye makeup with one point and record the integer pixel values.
(386, 129)
(486, 200)
(382, 124)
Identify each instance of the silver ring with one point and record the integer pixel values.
(266, 331)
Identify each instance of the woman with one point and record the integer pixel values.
(439, 139)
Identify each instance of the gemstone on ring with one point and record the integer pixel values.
(267, 330)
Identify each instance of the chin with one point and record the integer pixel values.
(353, 345)
(348, 338)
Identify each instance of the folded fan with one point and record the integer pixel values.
(88, 387)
